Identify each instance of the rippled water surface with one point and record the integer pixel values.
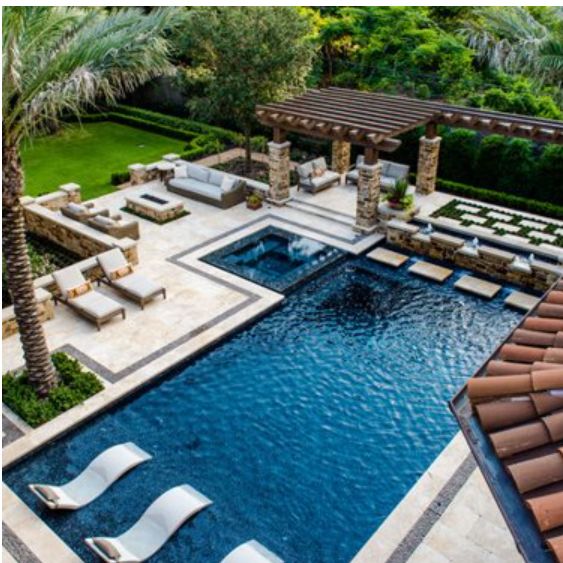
(305, 429)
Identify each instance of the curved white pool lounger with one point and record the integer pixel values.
(100, 474)
(153, 529)
(251, 552)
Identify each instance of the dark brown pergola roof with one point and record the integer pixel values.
(372, 119)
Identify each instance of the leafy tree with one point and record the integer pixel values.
(243, 56)
(59, 60)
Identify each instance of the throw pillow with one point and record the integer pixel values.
(228, 184)
(79, 290)
(318, 170)
(180, 172)
(121, 272)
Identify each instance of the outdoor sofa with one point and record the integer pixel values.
(315, 176)
(391, 172)
(207, 185)
(115, 226)
(83, 212)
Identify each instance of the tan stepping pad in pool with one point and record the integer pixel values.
(477, 286)
(388, 257)
(521, 300)
(430, 271)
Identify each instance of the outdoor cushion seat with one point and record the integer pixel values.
(391, 173)
(95, 303)
(309, 182)
(115, 226)
(207, 185)
(83, 211)
(138, 285)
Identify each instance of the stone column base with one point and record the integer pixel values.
(279, 172)
(427, 170)
(368, 198)
(340, 156)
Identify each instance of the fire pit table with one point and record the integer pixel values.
(155, 207)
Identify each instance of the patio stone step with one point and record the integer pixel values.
(430, 271)
(477, 286)
(388, 257)
(521, 300)
(323, 212)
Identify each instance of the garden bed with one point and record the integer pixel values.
(236, 166)
(75, 386)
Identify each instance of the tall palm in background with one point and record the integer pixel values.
(511, 39)
(59, 61)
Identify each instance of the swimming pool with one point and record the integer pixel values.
(305, 429)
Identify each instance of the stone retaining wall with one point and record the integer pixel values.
(45, 306)
(491, 261)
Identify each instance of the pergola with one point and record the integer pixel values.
(373, 121)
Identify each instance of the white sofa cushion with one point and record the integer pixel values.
(216, 177)
(198, 173)
(181, 172)
(189, 185)
(228, 184)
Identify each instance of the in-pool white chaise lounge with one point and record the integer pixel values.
(119, 274)
(100, 474)
(251, 552)
(153, 529)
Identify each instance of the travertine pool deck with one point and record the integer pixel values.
(448, 516)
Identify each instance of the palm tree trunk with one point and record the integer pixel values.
(40, 370)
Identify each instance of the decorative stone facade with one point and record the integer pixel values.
(427, 171)
(367, 202)
(491, 261)
(340, 156)
(279, 172)
(45, 308)
(141, 173)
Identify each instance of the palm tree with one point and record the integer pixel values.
(58, 61)
(511, 39)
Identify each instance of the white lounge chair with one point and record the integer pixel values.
(153, 529)
(102, 472)
(251, 552)
(119, 274)
(76, 292)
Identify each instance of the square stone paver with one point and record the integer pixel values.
(483, 230)
(508, 227)
(499, 216)
(543, 236)
(468, 208)
(521, 300)
(474, 218)
(430, 271)
(533, 224)
(559, 232)
(477, 286)
(388, 257)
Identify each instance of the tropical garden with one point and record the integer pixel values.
(88, 91)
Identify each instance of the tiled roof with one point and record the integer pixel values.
(517, 400)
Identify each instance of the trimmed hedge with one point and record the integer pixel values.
(501, 198)
(75, 386)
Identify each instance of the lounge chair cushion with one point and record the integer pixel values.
(68, 278)
(112, 260)
(79, 290)
(76, 207)
(305, 171)
(138, 285)
(107, 548)
(105, 221)
(216, 178)
(96, 304)
(198, 173)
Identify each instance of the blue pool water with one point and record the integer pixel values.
(305, 429)
(274, 258)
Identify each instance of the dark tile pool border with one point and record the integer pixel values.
(11, 431)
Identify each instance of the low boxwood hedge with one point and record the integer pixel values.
(75, 386)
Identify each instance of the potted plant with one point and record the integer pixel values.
(253, 201)
(398, 197)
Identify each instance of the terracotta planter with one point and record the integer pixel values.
(253, 206)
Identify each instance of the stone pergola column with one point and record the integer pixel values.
(428, 153)
(278, 159)
(340, 156)
(369, 185)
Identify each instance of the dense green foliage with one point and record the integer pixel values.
(243, 56)
(74, 387)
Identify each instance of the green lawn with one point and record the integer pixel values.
(88, 155)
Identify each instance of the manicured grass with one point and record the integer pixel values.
(88, 155)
